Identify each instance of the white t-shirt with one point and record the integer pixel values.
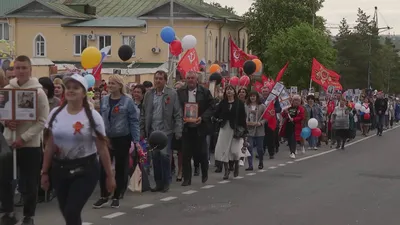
(72, 133)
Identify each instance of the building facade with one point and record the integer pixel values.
(59, 30)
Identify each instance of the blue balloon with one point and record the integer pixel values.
(90, 80)
(167, 34)
(305, 132)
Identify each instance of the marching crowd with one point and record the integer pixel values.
(73, 132)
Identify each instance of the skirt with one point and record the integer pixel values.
(227, 147)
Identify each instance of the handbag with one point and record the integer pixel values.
(139, 181)
(238, 131)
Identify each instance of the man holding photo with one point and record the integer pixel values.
(27, 145)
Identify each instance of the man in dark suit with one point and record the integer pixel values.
(194, 143)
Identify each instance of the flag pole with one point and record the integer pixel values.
(171, 58)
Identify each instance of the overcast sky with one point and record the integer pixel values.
(335, 10)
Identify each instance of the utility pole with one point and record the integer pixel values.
(171, 58)
(379, 30)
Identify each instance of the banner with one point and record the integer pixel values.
(189, 62)
(324, 77)
(238, 56)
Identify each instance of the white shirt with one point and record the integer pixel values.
(192, 95)
(74, 141)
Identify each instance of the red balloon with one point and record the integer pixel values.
(244, 81)
(367, 116)
(234, 81)
(175, 47)
(316, 132)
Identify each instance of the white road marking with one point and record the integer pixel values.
(189, 192)
(86, 223)
(272, 167)
(290, 162)
(113, 215)
(237, 178)
(282, 164)
(208, 187)
(349, 144)
(143, 206)
(261, 171)
(224, 182)
(168, 199)
(251, 174)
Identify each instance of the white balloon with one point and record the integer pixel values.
(313, 123)
(357, 106)
(188, 42)
(363, 109)
(367, 111)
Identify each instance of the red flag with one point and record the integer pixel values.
(270, 116)
(280, 74)
(238, 56)
(97, 72)
(189, 62)
(258, 86)
(323, 76)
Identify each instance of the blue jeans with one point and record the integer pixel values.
(258, 143)
(381, 122)
(312, 141)
(162, 165)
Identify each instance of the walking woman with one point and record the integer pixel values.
(341, 123)
(232, 116)
(74, 135)
(365, 116)
(122, 127)
(292, 124)
(255, 125)
(313, 111)
(59, 89)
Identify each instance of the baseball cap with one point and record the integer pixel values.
(78, 78)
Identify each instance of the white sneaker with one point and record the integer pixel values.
(292, 155)
(303, 150)
(241, 163)
(295, 152)
(315, 148)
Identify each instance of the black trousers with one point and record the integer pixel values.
(120, 154)
(29, 163)
(194, 146)
(74, 190)
(269, 140)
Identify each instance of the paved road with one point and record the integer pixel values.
(359, 185)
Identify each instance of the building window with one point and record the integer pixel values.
(4, 31)
(104, 41)
(40, 46)
(80, 42)
(131, 41)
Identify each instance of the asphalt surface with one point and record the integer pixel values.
(358, 185)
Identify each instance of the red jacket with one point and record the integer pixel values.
(298, 123)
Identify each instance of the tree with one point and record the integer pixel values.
(7, 49)
(298, 45)
(266, 18)
(227, 8)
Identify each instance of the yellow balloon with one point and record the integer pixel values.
(12, 64)
(90, 58)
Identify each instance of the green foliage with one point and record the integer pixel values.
(266, 18)
(299, 45)
(227, 8)
(361, 52)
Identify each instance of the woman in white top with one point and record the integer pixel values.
(74, 135)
